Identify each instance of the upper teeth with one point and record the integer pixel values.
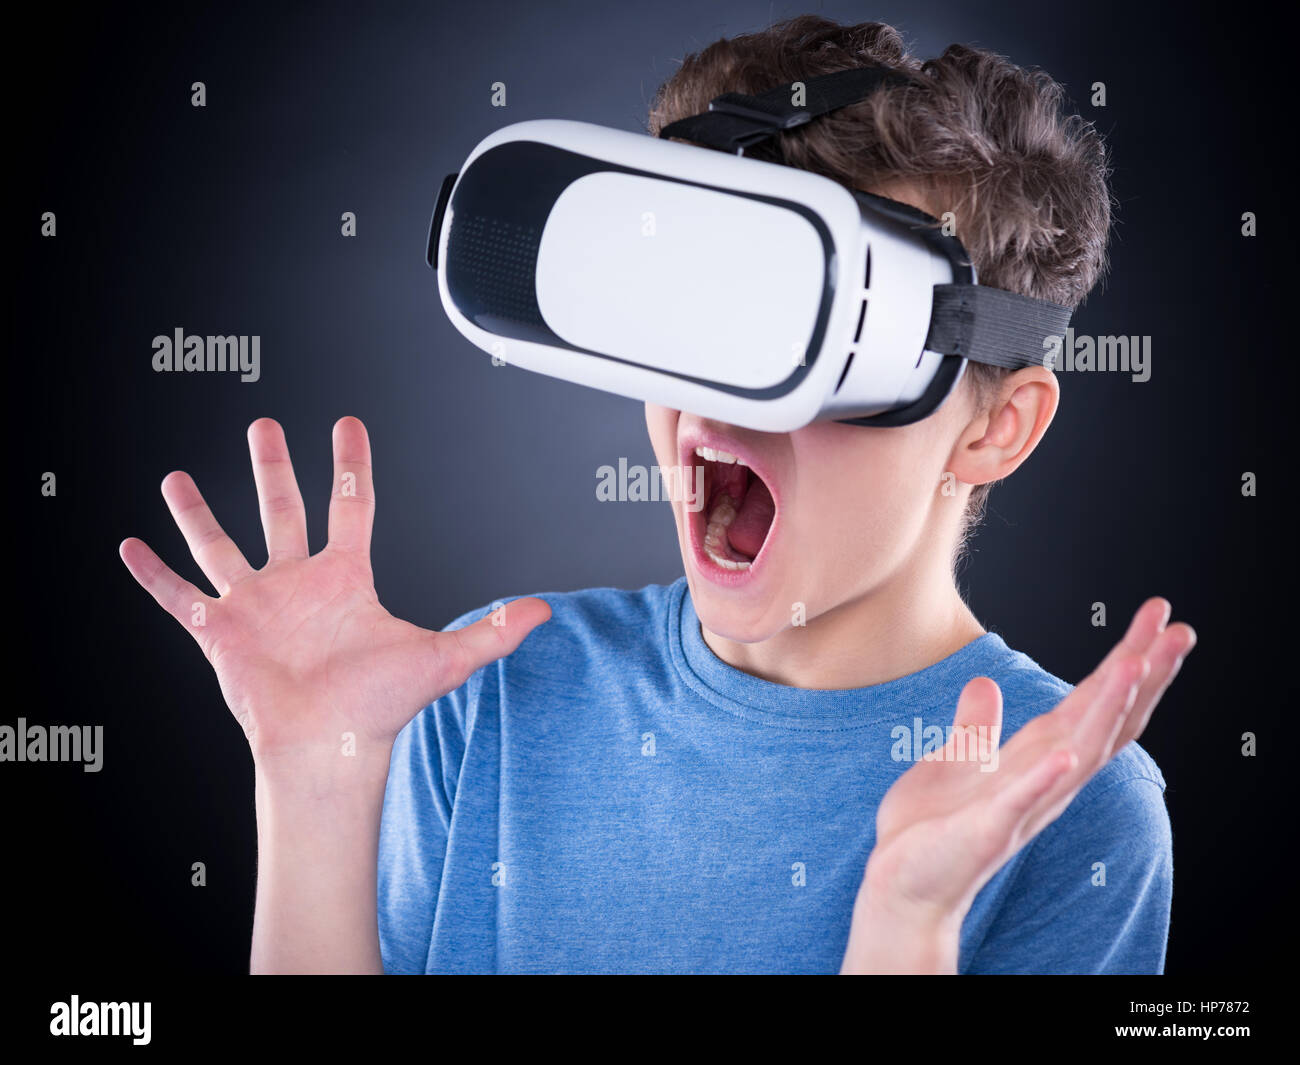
(713, 455)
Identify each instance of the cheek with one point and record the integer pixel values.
(870, 491)
(661, 423)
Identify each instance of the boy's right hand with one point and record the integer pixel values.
(302, 648)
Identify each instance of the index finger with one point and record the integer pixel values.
(1148, 622)
(1088, 744)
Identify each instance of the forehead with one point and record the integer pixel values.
(906, 192)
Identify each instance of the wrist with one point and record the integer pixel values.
(319, 808)
(890, 935)
(330, 769)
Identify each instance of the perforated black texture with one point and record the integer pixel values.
(499, 259)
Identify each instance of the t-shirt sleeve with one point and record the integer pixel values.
(416, 822)
(1093, 892)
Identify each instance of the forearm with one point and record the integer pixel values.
(317, 855)
(885, 939)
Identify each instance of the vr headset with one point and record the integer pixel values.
(694, 277)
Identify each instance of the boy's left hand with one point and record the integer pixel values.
(947, 826)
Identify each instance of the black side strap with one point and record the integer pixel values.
(987, 325)
(993, 326)
(735, 121)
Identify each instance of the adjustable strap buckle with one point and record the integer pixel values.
(767, 119)
(736, 121)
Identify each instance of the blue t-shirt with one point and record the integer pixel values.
(613, 798)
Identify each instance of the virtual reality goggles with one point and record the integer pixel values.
(738, 289)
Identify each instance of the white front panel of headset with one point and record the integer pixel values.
(680, 278)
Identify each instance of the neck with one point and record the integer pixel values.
(901, 627)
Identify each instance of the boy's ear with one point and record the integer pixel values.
(1001, 435)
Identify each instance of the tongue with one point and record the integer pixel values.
(748, 529)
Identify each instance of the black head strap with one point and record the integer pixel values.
(735, 121)
(968, 322)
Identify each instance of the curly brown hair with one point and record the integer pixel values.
(970, 132)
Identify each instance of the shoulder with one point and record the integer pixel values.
(601, 611)
(591, 634)
(594, 630)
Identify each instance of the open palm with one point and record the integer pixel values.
(302, 648)
(947, 825)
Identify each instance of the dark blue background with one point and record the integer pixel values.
(226, 220)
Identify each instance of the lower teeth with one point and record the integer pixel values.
(715, 536)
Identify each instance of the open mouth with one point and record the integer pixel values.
(738, 511)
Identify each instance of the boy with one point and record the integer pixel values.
(725, 774)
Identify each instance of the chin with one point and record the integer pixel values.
(734, 615)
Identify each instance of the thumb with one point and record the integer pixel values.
(464, 651)
(980, 708)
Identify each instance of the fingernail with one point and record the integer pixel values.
(1165, 610)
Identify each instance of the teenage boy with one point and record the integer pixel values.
(723, 774)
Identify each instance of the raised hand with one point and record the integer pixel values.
(947, 826)
(302, 648)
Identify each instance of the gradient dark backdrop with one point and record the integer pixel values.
(226, 220)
